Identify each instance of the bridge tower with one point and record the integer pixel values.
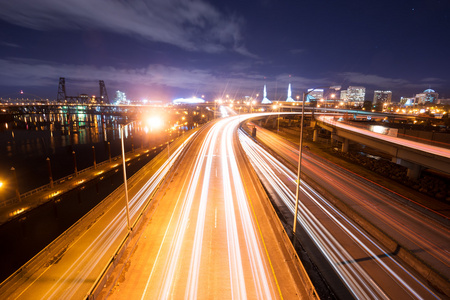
(289, 95)
(265, 100)
(61, 90)
(103, 93)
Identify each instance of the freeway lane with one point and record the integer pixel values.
(424, 236)
(69, 267)
(438, 151)
(210, 236)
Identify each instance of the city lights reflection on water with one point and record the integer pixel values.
(29, 139)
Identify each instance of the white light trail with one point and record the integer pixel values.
(84, 264)
(356, 279)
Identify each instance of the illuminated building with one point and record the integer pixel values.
(428, 96)
(316, 94)
(344, 95)
(382, 97)
(356, 95)
(121, 98)
(192, 100)
(405, 101)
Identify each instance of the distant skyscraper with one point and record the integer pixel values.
(428, 96)
(382, 97)
(344, 95)
(356, 95)
(289, 95)
(265, 100)
(120, 97)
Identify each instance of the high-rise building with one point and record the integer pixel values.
(428, 96)
(120, 97)
(344, 95)
(356, 95)
(382, 97)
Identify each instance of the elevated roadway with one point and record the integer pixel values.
(213, 233)
(369, 260)
(210, 232)
(413, 155)
(70, 267)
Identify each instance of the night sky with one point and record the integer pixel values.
(164, 49)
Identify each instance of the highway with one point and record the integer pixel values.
(438, 151)
(368, 269)
(69, 267)
(210, 236)
(211, 232)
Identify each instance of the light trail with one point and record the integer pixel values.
(259, 270)
(241, 240)
(181, 226)
(378, 203)
(439, 151)
(74, 270)
(359, 282)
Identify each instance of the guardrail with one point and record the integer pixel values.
(100, 282)
(58, 181)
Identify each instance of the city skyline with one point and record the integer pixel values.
(164, 50)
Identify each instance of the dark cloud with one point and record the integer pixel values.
(355, 78)
(433, 80)
(15, 72)
(9, 45)
(28, 72)
(297, 51)
(192, 25)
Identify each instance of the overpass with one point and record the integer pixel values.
(413, 155)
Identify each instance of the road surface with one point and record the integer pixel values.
(69, 267)
(332, 231)
(212, 234)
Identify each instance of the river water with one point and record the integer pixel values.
(26, 142)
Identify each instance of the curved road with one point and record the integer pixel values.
(212, 234)
(426, 237)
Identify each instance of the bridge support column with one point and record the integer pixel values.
(344, 145)
(414, 170)
(315, 135)
(335, 137)
(254, 132)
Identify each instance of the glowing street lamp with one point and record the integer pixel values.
(337, 88)
(153, 122)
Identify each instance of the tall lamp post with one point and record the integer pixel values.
(300, 154)
(153, 122)
(122, 134)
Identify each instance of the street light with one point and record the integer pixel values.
(122, 133)
(337, 88)
(153, 122)
(278, 118)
